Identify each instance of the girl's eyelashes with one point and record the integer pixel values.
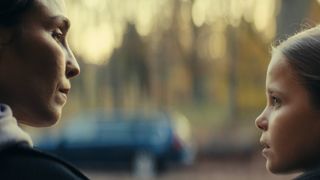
(275, 101)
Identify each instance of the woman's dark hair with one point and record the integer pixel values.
(302, 52)
(11, 11)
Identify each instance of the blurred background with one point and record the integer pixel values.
(198, 65)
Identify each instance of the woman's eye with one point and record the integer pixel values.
(58, 35)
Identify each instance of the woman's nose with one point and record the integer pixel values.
(72, 66)
(262, 122)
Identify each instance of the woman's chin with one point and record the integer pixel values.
(39, 123)
(40, 119)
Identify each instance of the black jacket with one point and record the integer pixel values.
(20, 162)
(310, 175)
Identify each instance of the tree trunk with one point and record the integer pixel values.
(291, 17)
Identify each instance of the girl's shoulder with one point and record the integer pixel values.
(310, 175)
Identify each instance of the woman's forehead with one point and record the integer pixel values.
(53, 7)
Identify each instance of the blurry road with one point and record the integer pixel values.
(253, 169)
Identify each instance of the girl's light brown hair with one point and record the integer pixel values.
(302, 52)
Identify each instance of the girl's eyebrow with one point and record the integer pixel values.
(270, 90)
(274, 90)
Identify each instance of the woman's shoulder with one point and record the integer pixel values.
(10, 132)
(22, 162)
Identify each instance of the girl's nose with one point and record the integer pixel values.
(262, 122)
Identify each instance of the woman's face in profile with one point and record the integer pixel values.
(37, 64)
(290, 124)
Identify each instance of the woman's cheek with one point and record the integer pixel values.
(52, 55)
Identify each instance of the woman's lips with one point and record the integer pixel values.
(62, 96)
(64, 90)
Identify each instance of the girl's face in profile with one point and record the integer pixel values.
(37, 64)
(290, 124)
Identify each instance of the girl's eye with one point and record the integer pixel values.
(275, 101)
(58, 35)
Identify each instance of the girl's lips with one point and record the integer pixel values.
(265, 152)
(266, 148)
(264, 144)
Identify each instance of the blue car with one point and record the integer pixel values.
(143, 142)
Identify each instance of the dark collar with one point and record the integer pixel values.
(313, 174)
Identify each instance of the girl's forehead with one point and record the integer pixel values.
(278, 68)
(277, 63)
(282, 77)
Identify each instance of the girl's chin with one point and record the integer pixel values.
(275, 168)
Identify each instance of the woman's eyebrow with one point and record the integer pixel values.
(65, 21)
